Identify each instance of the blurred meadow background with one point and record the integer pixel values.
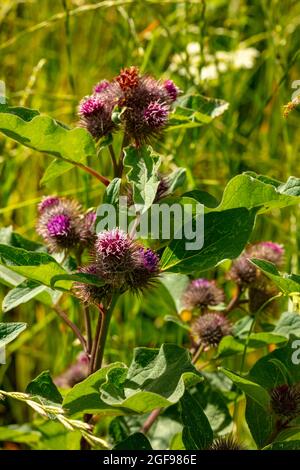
(51, 55)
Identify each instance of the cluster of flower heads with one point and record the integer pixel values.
(209, 328)
(121, 262)
(64, 225)
(142, 104)
(244, 273)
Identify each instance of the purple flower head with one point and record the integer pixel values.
(90, 105)
(59, 225)
(156, 115)
(202, 293)
(128, 78)
(101, 86)
(115, 243)
(46, 202)
(285, 401)
(145, 269)
(171, 89)
(210, 328)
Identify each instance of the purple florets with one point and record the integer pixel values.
(201, 282)
(46, 202)
(156, 115)
(90, 105)
(141, 105)
(101, 86)
(114, 243)
(172, 89)
(59, 225)
(63, 225)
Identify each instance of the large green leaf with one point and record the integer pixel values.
(24, 434)
(156, 378)
(250, 191)
(37, 266)
(43, 386)
(143, 174)
(175, 284)
(46, 135)
(85, 396)
(195, 110)
(9, 331)
(251, 389)
(197, 433)
(288, 283)
(26, 291)
(284, 445)
(225, 235)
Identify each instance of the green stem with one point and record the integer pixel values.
(101, 340)
(121, 165)
(114, 160)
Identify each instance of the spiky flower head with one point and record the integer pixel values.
(172, 89)
(96, 115)
(202, 293)
(226, 443)
(90, 293)
(244, 272)
(60, 224)
(210, 328)
(115, 256)
(46, 202)
(285, 401)
(128, 78)
(140, 103)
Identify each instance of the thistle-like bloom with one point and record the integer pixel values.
(96, 115)
(210, 328)
(46, 202)
(128, 78)
(141, 104)
(245, 273)
(202, 293)
(122, 263)
(60, 224)
(172, 89)
(285, 401)
(115, 256)
(226, 443)
(63, 225)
